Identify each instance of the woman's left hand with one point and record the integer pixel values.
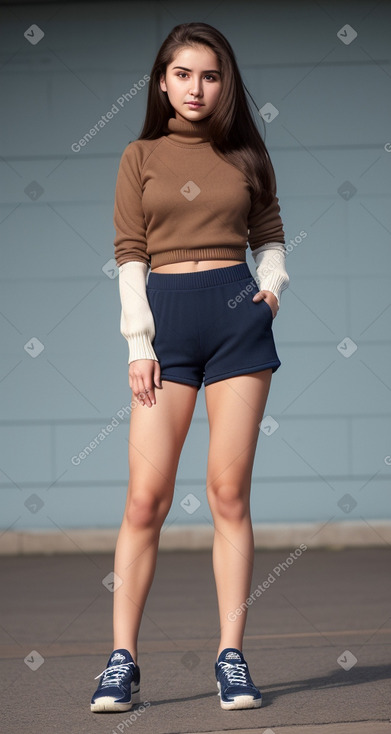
(270, 299)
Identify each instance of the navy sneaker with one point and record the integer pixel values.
(119, 687)
(236, 689)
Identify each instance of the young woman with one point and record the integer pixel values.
(192, 190)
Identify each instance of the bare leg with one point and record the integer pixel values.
(156, 438)
(235, 408)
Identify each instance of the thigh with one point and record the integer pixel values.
(156, 437)
(235, 408)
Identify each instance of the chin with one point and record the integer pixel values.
(196, 114)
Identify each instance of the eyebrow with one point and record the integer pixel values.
(206, 71)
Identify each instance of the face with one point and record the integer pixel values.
(193, 77)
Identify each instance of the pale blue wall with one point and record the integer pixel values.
(333, 126)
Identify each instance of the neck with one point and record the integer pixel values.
(186, 131)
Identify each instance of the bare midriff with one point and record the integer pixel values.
(192, 266)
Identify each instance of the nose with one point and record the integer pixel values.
(196, 87)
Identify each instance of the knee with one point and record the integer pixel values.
(228, 501)
(145, 509)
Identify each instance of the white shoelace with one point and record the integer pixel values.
(235, 673)
(112, 675)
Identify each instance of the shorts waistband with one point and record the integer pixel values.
(199, 279)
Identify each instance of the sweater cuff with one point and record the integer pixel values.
(140, 347)
(275, 283)
(270, 265)
(137, 322)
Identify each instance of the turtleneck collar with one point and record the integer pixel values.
(186, 132)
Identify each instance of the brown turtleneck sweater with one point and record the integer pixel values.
(176, 200)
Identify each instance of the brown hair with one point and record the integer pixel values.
(233, 132)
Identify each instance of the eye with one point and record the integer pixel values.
(209, 77)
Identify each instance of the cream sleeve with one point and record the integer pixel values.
(137, 324)
(270, 265)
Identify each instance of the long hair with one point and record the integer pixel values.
(233, 132)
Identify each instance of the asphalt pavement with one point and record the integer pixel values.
(318, 642)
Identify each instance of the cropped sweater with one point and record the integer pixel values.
(176, 199)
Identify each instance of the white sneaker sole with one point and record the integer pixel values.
(107, 703)
(239, 702)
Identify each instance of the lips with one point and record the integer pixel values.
(195, 104)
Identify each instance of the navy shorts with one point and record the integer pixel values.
(207, 327)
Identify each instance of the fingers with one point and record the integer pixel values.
(156, 375)
(144, 374)
(270, 299)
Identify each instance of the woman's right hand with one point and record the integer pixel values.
(144, 376)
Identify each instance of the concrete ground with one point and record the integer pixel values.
(317, 643)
